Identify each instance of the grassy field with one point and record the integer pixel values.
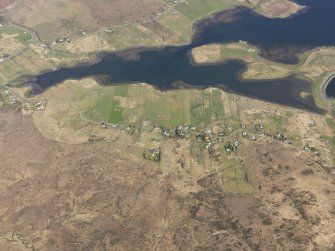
(181, 19)
(12, 40)
(127, 37)
(70, 106)
(28, 62)
(135, 103)
(75, 110)
(20, 35)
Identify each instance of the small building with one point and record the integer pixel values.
(179, 131)
(152, 154)
(228, 147)
(220, 137)
(322, 162)
(279, 136)
(288, 141)
(200, 136)
(209, 145)
(317, 153)
(307, 148)
(103, 125)
(252, 137)
(259, 127)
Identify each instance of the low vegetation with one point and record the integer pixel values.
(209, 120)
(278, 8)
(315, 65)
(105, 195)
(130, 167)
(21, 36)
(12, 41)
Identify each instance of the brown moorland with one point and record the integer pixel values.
(121, 11)
(6, 3)
(52, 19)
(101, 197)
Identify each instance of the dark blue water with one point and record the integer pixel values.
(330, 89)
(280, 40)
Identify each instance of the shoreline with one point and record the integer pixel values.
(191, 44)
(296, 9)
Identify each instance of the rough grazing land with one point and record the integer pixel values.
(97, 197)
(120, 11)
(6, 3)
(101, 194)
(68, 18)
(280, 9)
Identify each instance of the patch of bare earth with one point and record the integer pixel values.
(300, 207)
(122, 11)
(207, 54)
(280, 8)
(9, 44)
(88, 44)
(6, 3)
